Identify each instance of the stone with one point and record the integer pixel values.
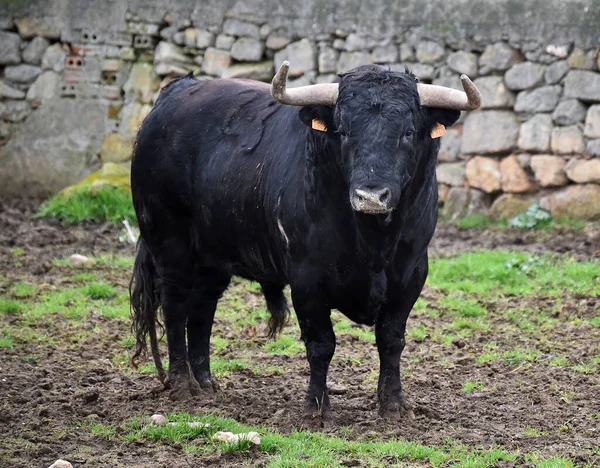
(569, 112)
(60, 463)
(327, 60)
(593, 147)
(457, 200)
(479, 202)
(514, 179)
(508, 206)
(247, 49)
(524, 160)
(450, 145)
(110, 174)
(43, 89)
(46, 26)
(54, 58)
(179, 38)
(262, 71)
(490, 132)
(14, 111)
(131, 117)
(48, 152)
(385, 54)
(556, 71)
(163, 69)
(339, 44)
(141, 83)
(542, 99)
(166, 52)
(498, 57)
(34, 51)
(452, 174)
(567, 140)
(548, 170)
(494, 93)
(422, 71)
(583, 85)
(265, 30)
(581, 59)
(328, 78)
(524, 75)
(215, 61)
(8, 92)
(583, 171)
(236, 27)
(592, 122)
(429, 51)
(534, 134)
(204, 39)
(21, 74)
(484, 174)
(451, 81)
(463, 62)
(443, 190)
(302, 56)
(306, 79)
(116, 148)
(356, 42)
(407, 52)
(576, 201)
(560, 51)
(276, 42)
(224, 41)
(10, 48)
(350, 60)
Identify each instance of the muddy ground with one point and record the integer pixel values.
(52, 390)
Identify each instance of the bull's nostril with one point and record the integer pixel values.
(385, 195)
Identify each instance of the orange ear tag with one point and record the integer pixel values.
(438, 130)
(318, 124)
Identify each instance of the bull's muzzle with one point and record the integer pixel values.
(371, 200)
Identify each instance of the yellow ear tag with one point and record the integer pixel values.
(438, 130)
(318, 124)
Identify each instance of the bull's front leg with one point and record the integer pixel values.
(390, 328)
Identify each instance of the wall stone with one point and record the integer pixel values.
(549, 170)
(490, 132)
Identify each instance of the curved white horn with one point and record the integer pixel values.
(318, 94)
(448, 98)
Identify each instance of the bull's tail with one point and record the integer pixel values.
(145, 301)
(277, 306)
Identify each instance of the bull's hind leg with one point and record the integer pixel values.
(209, 285)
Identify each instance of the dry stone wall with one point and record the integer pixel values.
(78, 77)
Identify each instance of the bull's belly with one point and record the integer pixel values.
(353, 302)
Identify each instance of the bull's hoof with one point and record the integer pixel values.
(397, 412)
(209, 385)
(182, 389)
(316, 420)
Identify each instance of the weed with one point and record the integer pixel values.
(98, 291)
(10, 307)
(6, 340)
(285, 344)
(471, 385)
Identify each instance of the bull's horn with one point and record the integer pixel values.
(318, 94)
(448, 98)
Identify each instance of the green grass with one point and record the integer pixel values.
(481, 221)
(6, 340)
(471, 385)
(285, 344)
(10, 307)
(98, 291)
(22, 290)
(105, 203)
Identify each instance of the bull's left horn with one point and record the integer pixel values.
(448, 98)
(319, 94)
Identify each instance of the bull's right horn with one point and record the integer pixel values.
(318, 94)
(448, 98)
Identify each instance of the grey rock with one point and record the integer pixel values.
(592, 122)
(5, 128)
(306, 79)
(48, 26)
(556, 71)
(163, 69)
(224, 41)
(43, 89)
(385, 54)
(593, 147)
(559, 51)
(479, 202)
(463, 62)
(524, 75)
(15, 111)
(450, 145)
(204, 39)
(463, 201)
(498, 57)
(10, 48)
(569, 112)
(8, 92)
(451, 173)
(407, 52)
(489, 132)
(34, 51)
(21, 74)
(451, 81)
(357, 42)
(543, 99)
(6, 21)
(535, 134)
(328, 78)
(583, 85)
(302, 56)
(350, 60)
(253, 71)
(339, 44)
(327, 60)
(276, 41)
(46, 153)
(494, 93)
(583, 60)
(179, 38)
(265, 30)
(54, 58)
(166, 52)
(567, 140)
(429, 51)
(236, 27)
(422, 71)
(247, 49)
(215, 61)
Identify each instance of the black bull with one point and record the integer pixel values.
(227, 181)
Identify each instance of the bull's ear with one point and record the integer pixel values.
(319, 118)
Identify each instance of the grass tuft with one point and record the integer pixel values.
(10, 307)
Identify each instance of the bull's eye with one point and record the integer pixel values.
(409, 134)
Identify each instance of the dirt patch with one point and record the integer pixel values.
(54, 389)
